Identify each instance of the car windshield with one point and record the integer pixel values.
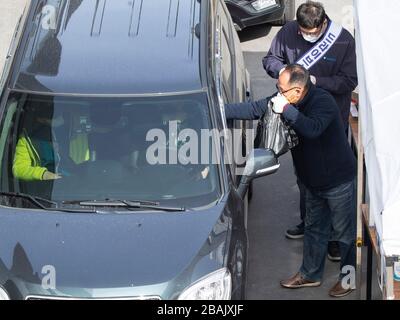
(70, 149)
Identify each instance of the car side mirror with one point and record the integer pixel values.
(261, 162)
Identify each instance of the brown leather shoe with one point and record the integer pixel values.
(299, 282)
(339, 292)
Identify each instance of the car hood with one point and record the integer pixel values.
(103, 250)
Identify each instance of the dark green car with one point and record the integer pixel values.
(88, 208)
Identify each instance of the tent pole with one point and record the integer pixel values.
(360, 200)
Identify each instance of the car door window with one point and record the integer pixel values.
(227, 53)
(227, 73)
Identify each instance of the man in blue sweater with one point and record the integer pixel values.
(325, 164)
(331, 60)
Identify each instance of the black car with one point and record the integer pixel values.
(97, 198)
(246, 13)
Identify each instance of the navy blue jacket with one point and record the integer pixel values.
(323, 159)
(336, 72)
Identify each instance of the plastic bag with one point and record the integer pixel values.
(274, 133)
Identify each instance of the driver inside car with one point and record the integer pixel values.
(38, 155)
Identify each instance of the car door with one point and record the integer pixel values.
(233, 88)
(242, 88)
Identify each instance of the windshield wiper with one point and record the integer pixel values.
(128, 204)
(37, 202)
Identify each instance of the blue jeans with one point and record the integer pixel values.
(334, 208)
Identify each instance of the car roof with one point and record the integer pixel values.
(110, 47)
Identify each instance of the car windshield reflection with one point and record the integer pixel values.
(63, 148)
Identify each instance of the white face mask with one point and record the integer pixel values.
(312, 38)
(309, 38)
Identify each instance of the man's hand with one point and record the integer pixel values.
(279, 103)
(205, 172)
(51, 176)
(283, 69)
(313, 80)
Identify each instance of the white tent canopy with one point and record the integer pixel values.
(378, 53)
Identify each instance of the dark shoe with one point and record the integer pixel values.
(339, 292)
(299, 282)
(295, 233)
(334, 251)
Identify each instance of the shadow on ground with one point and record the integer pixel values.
(252, 33)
